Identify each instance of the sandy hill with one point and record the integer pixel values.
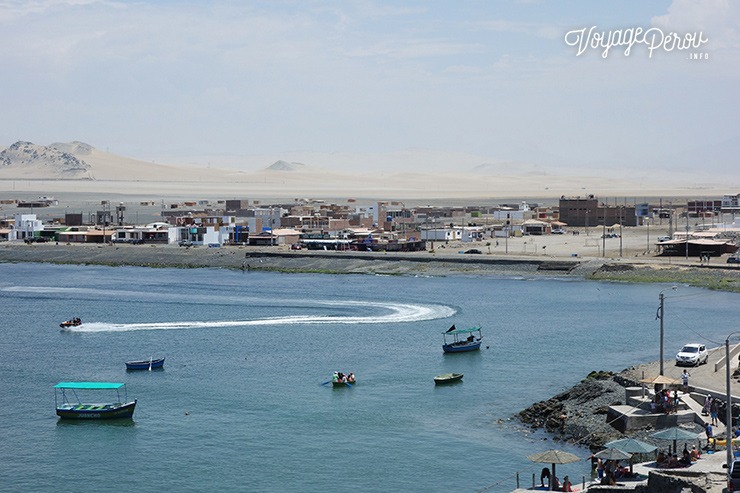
(409, 174)
(281, 165)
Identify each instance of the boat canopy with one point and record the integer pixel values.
(88, 385)
(463, 331)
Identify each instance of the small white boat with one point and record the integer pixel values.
(448, 378)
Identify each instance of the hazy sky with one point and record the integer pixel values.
(494, 78)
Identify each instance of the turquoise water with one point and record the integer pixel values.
(240, 405)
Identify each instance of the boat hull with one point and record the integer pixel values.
(145, 365)
(461, 348)
(343, 384)
(93, 411)
(448, 378)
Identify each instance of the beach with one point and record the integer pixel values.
(566, 256)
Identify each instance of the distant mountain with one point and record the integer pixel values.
(27, 157)
(281, 165)
(510, 168)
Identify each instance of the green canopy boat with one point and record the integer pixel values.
(65, 393)
(460, 342)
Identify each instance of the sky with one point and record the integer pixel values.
(495, 78)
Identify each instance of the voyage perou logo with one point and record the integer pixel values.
(653, 38)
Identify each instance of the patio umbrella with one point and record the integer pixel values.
(674, 434)
(553, 457)
(632, 446)
(659, 380)
(612, 454)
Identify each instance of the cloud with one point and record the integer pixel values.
(719, 20)
(541, 30)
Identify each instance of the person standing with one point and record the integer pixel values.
(685, 377)
(713, 411)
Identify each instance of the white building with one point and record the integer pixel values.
(441, 234)
(26, 226)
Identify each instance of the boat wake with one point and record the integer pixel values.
(394, 313)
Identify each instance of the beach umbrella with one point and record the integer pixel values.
(659, 380)
(553, 457)
(675, 434)
(612, 454)
(632, 446)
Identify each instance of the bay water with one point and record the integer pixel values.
(239, 405)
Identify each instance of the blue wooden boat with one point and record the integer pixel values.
(66, 392)
(342, 380)
(147, 364)
(460, 343)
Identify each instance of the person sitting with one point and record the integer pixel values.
(609, 479)
(335, 377)
(556, 484)
(685, 460)
(661, 461)
(566, 484)
(694, 453)
(471, 338)
(351, 377)
(673, 462)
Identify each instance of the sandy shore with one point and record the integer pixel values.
(448, 261)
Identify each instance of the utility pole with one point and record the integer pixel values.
(603, 232)
(660, 316)
(687, 230)
(647, 222)
(620, 231)
(660, 313)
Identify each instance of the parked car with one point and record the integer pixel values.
(559, 231)
(295, 246)
(137, 242)
(692, 354)
(733, 259)
(185, 243)
(473, 250)
(734, 475)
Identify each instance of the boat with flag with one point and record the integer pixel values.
(69, 404)
(462, 339)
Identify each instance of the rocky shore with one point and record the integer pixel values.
(578, 415)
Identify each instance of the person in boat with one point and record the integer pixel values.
(335, 377)
(351, 377)
(471, 338)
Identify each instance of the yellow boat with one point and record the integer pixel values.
(722, 443)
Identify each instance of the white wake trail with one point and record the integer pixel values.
(397, 312)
